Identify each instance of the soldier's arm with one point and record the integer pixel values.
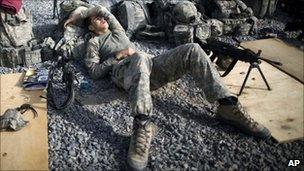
(114, 24)
(92, 61)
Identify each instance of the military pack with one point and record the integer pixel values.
(236, 16)
(133, 15)
(229, 9)
(18, 45)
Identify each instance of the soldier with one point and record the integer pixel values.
(110, 51)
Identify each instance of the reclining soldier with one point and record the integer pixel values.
(110, 51)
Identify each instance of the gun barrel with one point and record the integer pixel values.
(271, 61)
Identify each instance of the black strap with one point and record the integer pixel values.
(25, 107)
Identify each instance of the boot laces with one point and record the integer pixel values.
(141, 142)
(244, 116)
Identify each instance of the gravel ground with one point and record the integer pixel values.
(95, 136)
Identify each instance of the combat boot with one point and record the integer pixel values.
(231, 112)
(144, 131)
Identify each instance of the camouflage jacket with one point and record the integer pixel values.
(101, 49)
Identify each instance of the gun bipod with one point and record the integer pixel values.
(254, 65)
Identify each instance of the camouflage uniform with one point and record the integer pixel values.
(140, 72)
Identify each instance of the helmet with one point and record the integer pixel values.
(185, 12)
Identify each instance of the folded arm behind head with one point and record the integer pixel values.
(98, 13)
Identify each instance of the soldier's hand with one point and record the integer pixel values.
(124, 53)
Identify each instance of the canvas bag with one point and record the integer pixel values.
(133, 15)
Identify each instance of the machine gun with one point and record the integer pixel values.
(240, 53)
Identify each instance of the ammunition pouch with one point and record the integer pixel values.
(11, 57)
(26, 55)
(31, 56)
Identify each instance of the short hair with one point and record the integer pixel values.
(87, 22)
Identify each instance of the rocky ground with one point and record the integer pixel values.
(95, 135)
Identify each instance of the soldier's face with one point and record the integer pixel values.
(98, 24)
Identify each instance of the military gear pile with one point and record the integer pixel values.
(181, 17)
(230, 9)
(236, 17)
(133, 15)
(227, 17)
(18, 45)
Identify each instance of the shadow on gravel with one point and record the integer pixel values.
(202, 117)
(98, 128)
(187, 111)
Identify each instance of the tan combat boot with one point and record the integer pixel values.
(234, 114)
(139, 146)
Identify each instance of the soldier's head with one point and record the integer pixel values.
(97, 24)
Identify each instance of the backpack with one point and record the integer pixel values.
(16, 36)
(232, 9)
(133, 15)
(243, 26)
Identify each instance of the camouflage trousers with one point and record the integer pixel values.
(140, 73)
